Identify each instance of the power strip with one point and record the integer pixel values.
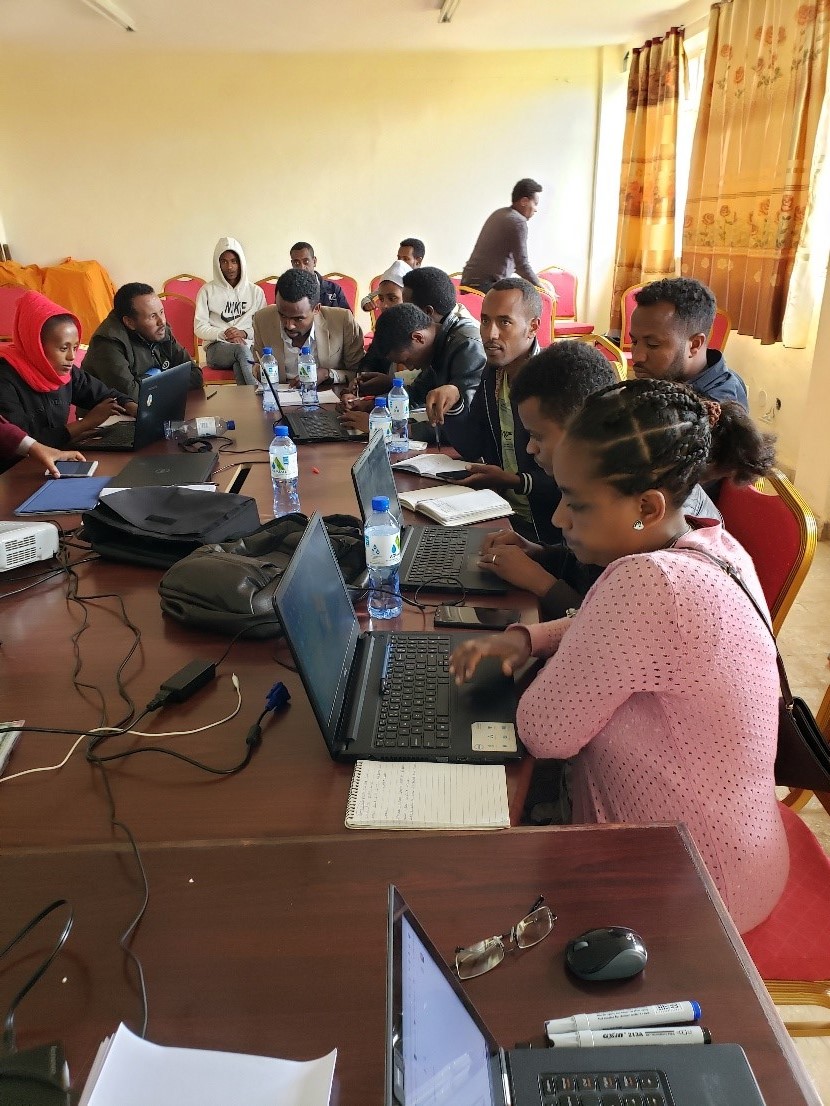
(9, 733)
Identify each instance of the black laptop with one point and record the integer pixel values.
(438, 1049)
(166, 470)
(440, 558)
(385, 695)
(312, 424)
(161, 398)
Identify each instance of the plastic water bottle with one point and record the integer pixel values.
(382, 538)
(283, 457)
(177, 431)
(270, 370)
(307, 372)
(399, 410)
(380, 422)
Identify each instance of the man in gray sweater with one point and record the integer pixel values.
(501, 249)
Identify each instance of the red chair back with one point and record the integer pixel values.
(779, 533)
(721, 328)
(374, 283)
(544, 335)
(472, 300)
(181, 313)
(349, 286)
(269, 287)
(564, 284)
(185, 284)
(9, 295)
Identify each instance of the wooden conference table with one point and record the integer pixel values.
(292, 787)
(265, 930)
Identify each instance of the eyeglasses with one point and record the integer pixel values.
(488, 954)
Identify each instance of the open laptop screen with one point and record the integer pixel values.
(437, 1052)
(372, 475)
(319, 623)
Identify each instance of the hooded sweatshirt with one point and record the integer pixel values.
(33, 394)
(220, 305)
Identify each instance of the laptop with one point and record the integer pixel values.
(161, 398)
(383, 695)
(312, 425)
(438, 1049)
(441, 558)
(166, 470)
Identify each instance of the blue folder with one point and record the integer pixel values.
(66, 496)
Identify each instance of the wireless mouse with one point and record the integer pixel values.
(613, 952)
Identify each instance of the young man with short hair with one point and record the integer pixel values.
(669, 339)
(297, 319)
(225, 309)
(501, 247)
(413, 252)
(134, 339)
(331, 294)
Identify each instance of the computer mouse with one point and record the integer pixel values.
(612, 952)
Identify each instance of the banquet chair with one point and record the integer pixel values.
(185, 284)
(269, 287)
(472, 299)
(349, 286)
(181, 312)
(608, 350)
(791, 949)
(564, 286)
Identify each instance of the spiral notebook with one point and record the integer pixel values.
(424, 795)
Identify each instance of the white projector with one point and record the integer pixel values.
(24, 542)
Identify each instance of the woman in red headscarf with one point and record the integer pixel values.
(39, 380)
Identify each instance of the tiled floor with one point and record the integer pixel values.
(805, 643)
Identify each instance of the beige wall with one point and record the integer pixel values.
(143, 162)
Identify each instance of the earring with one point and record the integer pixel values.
(639, 524)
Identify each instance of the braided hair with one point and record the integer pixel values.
(657, 434)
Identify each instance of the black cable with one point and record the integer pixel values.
(252, 623)
(8, 1022)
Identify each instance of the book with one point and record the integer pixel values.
(61, 496)
(456, 506)
(433, 466)
(129, 1071)
(422, 795)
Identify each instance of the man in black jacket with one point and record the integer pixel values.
(490, 429)
(331, 293)
(133, 340)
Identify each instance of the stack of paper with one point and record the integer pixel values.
(129, 1071)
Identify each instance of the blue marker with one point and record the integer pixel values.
(666, 1013)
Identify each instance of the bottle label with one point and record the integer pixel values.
(307, 372)
(399, 407)
(284, 465)
(383, 550)
(205, 428)
(381, 426)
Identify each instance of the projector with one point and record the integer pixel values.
(24, 542)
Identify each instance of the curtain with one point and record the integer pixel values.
(645, 230)
(763, 87)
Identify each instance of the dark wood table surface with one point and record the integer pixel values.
(279, 947)
(291, 788)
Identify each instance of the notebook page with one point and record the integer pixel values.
(422, 795)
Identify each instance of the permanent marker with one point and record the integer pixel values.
(653, 1035)
(665, 1013)
(385, 669)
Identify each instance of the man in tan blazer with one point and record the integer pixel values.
(298, 320)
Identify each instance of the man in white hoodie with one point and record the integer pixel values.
(225, 307)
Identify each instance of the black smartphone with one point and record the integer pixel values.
(453, 474)
(480, 618)
(74, 468)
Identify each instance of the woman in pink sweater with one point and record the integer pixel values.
(663, 687)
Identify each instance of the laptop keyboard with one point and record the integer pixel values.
(439, 556)
(415, 708)
(321, 424)
(608, 1088)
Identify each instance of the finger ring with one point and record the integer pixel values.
(494, 558)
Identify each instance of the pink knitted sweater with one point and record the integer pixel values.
(664, 688)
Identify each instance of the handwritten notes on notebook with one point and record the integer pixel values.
(422, 795)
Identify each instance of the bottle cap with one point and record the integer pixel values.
(231, 424)
(305, 350)
(266, 351)
(380, 502)
(380, 401)
(397, 382)
(280, 431)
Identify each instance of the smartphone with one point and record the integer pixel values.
(74, 468)
(481, 618)
(453, 474)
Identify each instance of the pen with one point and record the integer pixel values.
(438, 437)
(653, 1035)
(210, 395)
(665, 1013)
(387, 653)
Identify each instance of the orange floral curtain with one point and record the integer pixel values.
(763, 87)
(645, 231)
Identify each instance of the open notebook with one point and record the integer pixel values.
(456, 506)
